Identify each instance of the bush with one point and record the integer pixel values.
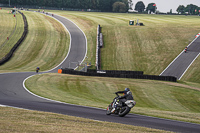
(119, 7)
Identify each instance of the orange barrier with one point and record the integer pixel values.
(59, 70)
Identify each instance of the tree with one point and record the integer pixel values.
(198, 11)
(49, 3)
(4, 2)
(119, 7)
(191, 9)
(105, 6)
(94, 4)
(140, 6)
(181, 9)
(170, 11)
(151, 8)
(128, 4)
(31, 2)
(41, 2)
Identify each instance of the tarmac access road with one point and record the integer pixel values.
(13, 93)
(182, 62)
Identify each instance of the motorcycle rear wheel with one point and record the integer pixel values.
(124, 111)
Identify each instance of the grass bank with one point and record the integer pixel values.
(154, 98)
(17, 120)
(12, 27)
(8, 21)
(193, 73)
(46, 45)
(150, 48)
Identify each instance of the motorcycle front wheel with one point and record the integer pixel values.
(108, 111)
(124, 111)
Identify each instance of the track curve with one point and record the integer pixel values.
(12, 93)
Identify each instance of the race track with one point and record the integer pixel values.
(179, 65)
(13, 93)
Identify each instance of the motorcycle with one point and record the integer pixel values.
(185, 50)
(37, 69)
(119, 108)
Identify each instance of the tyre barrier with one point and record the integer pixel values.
(120, 74)
(98, 47)
(115, 72)
(9, 55)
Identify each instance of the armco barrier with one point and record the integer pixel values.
(9, 55)
(120, 75)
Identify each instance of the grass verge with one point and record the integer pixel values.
(149, 48)
(46, 45)
(18, 120)
(8, 24)
(8, 21)
(154, 98)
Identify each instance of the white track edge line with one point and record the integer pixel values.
(51, 99)
(107, 121)
(68, 103)
(71, 39)
(177, 57)
(52, 69)
(56, 67)
(75, 68)
(69, 45)
(189, 66)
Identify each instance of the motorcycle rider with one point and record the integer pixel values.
(37, 69)
(127, 95)
(185, 49)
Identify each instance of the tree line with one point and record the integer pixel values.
(189, 9)
(140, 7)
(103, 5)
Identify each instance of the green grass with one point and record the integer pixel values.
(8, 21)
(192, 74)
(155, 98)
(23, 121)
(46, 45)
(7, 27)
(150, 48)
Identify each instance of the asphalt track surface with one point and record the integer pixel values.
(14, 94)
(182, 62)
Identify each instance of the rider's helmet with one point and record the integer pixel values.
(127, 89)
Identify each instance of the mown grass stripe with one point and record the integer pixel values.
(10, 34)
(169, 100)
(155, 45)
(7, 25)
(16, 34)
(46, 45)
